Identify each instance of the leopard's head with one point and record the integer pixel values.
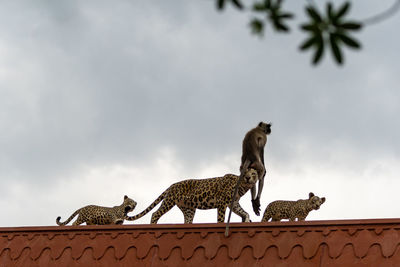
(129, 204)
(314, 201)
(250, 177)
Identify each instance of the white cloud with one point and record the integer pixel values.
(96, 99)
(351, 192)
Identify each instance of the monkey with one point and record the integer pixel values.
(253, 157)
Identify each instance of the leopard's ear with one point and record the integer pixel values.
(310, 195)
(125, 197)
(323, 200)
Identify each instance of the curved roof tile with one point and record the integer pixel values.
(327, 243)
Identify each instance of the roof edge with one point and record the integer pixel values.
(214, 226)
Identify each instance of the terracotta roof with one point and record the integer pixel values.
(312, 243)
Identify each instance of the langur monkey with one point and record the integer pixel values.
(253, 157)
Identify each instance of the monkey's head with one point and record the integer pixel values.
(266, 127)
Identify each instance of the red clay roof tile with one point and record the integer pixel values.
(311, 243)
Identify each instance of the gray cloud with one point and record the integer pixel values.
(93, 84)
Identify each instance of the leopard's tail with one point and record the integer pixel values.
(68, 220)
(267, 215)
(148, 209)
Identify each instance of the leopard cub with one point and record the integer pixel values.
(284, 209)
(101, 215)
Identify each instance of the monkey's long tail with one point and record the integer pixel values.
(68, 220)
(234, 193)
(148, 209)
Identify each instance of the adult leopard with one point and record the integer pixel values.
(205, 194)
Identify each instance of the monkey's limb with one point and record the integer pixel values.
(260, 185)
(243, 170)
(255, 201)
(253, 192)
(256, 206)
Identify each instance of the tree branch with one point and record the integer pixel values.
(384, 15)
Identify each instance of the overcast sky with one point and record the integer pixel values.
(101, 99)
